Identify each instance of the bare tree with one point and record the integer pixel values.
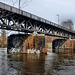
(25, 3)
(3, 39)
(21, 3)
(68, 24)
(14, 2)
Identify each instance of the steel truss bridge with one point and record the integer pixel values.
(12, 18)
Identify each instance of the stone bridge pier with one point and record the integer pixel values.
(63, 45)
(23, 43)
(26, 42)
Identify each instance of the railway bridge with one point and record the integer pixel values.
(14, 19)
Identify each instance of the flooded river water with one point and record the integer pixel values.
(33, 64)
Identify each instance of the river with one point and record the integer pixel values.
(34, 64)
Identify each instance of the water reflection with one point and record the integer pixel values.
(68, 51)
(28, 63)
(61, 65)
(3, 62)
(33, 64)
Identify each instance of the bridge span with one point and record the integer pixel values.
(12, 18)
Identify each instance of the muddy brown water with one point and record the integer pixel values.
(34, 64)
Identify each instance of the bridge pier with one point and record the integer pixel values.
(29, 42)
(34, 42)
(64, 45)
(26, 42)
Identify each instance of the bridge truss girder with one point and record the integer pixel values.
(17, 22)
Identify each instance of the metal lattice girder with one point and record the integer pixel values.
(18, 20)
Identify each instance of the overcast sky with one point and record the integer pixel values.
(49, 9)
